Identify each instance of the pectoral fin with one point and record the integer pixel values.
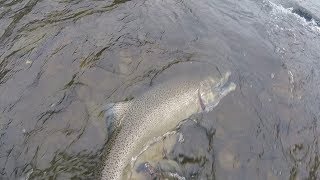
(114, 114)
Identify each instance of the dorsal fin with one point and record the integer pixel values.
(114, 113)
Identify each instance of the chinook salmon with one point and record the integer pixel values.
(154, 113)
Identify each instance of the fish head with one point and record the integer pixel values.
(212, 90)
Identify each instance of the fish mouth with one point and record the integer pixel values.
(224, 81)
(220, 90)
(224, 87)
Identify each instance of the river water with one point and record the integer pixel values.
(62, 60)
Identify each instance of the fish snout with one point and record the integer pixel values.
(212, 94)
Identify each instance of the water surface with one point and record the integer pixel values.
(60, 61)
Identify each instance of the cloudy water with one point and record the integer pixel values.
(62, 60)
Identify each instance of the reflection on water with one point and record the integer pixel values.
(60, 61)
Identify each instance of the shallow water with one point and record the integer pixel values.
(60, 61)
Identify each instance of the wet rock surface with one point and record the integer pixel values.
(61, 61)
(194, 152)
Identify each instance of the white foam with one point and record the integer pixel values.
(278, 11)
(176, 176)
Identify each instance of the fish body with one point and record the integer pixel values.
(154, 113)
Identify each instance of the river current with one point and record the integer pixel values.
(62, 60)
